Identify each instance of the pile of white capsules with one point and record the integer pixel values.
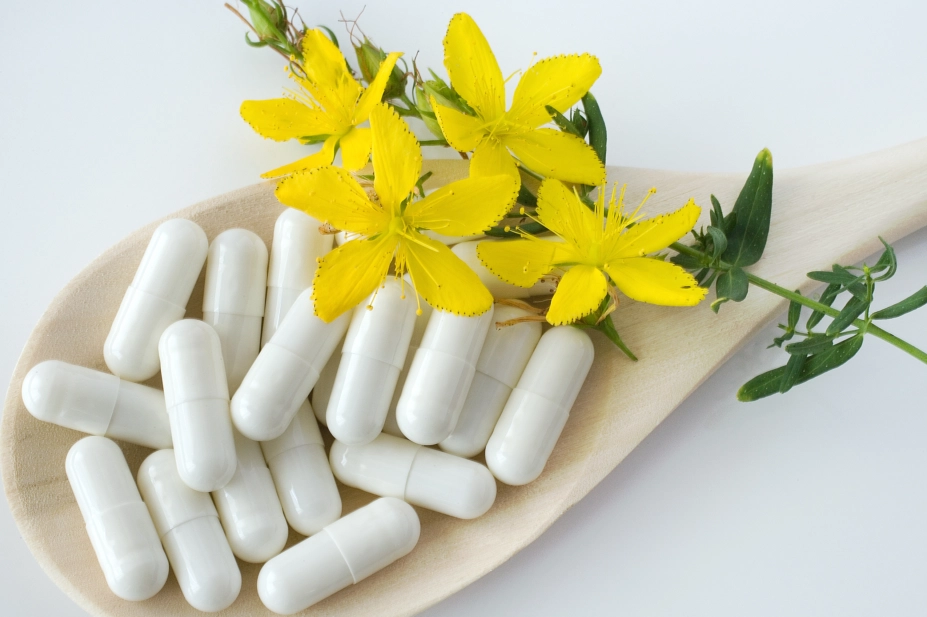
(229, 474)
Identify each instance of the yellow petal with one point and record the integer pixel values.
(654, 234)
(519, 262)
(490, 158)
(655, 281)
(397, 157)
(473, 69)
(441, 278)
(465, 207)
(325, 156)
(559, 82)
(561, 211)
(325, 66)
(332, 195)
(462, 131)
(555, 154)
(374, 92)
(579, 292)
(355, 148)
(283, 119)
(350, 273)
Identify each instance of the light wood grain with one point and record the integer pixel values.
(822, 214)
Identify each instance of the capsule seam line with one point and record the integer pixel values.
(189, 520)
(405, 486)
(341, 552)
(137, 289)
(196, 400)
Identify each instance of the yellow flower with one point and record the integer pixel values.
(390, 222)
(329, 105)
(597, 254)
(559, 82)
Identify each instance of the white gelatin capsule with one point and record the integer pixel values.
(346, 552)
(233, 298)
(156, 298)
(118, 523)
(197, 397)
(191, 534)
(302, 476)
(502, 361)
(539, 406)
(322, 391)
(373, 354)
(294, 253)
(394, 467)
(391, 426)
(496, 286)
(249, 509)
(285, 371)
(440, 376)
(97, 403)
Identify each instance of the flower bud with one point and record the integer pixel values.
(369, 59)
(267, 19)
(422, 104)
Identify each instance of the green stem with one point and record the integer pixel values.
(433, 142)
(412, 108)
(865, 326)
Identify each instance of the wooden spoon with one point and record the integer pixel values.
(822, 214)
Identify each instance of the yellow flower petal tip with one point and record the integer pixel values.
(495, 135)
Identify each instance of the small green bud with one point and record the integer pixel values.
(266, 19)
(369, 59)
(423, 105)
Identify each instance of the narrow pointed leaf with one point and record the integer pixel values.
(563, 122)
(827, 298)
(753, 208)
(718, 241)
(843, 278)
(598, 135)
(812, 344)
(887, 262)
(794, 313)
(717, 216)
(911, 303)
(792, 372)
(853, 309)
(761, 386)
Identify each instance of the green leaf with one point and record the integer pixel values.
(792, 371)
(580, 122)
(827, 298)
(607, 328)
(768, 383)
(753, 208)
(853, 309)
(887, 262)
(563, 122)
(812, 344)
(686, 261)
(526, 197)
(911, 303)
(717, 216)
(718, 241)
(794, 313)
(732, 285)
(598, 135)
(330, 34)
(842, 277)
(761, 386)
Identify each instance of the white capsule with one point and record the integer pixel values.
(285, 371)
(97, 403)
(496, 286)
(391, 426)
(394, 467)
(187, 522)
(156, 298)
(322, 390)
(302, 476)
(294, 255)
(233, 298)
(440, 376)
(347, 551)
(502, 361)
(197, 397)
(249, 509)
(118, 523)
(373, 354)
(539, 406)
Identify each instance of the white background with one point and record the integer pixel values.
(807, 504)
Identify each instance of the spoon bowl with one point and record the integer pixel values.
(822, 214)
